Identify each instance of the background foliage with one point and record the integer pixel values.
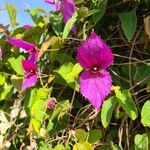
(124, 119)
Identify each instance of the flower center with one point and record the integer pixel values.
(94, 69)
(32, 72)
(32, 50)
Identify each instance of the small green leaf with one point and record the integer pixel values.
(107, 110)
(38, 107)
(101, 7)
(60, 109)
(143, 72)
(67, 74)
(145, 114)
(56, 22)
(129, 23)
(83, 146)
(15, 63)
(12, 12)
(2, 79)
(80, 134)
(5, 91)
(75, 71)
(69, 25)
(95, 135)
(125, 100)
(141, 142)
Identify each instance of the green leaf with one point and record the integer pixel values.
(69, 25)
(56, 22)
(2, 79)
(145, 114)
(101, 7)
(60, 109)
(80, 134)
(5, 91)
(129, 23)
(143, 72)
(17, 82)
(141, 142)
(107, 110)
(83, 146)
(12, 11)
(15, 63)
(68, 73)
(75, 71)
(94, 135)
(38, 107)
(125, 100)
(34, 12)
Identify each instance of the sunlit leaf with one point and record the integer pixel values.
(145, 114)
(83, 146)
(16, 64)
(107, 110)
(5, 91)
(94, 135)
(80, 134)
(69, 25)
(2, 79)
(12, 12)
(141, 142)
(125, 100)
(37, 105)
(60, 109)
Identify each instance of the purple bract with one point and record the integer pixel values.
(29, 47)
(95, 57)
(31, 74)
(68, 9)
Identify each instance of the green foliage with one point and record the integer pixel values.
(99, 9)
(15, 63)
(145, 114)
(107, 110)
(125, 100)
(69, 73)
(69, 25)
(95, 135)
(5, 91)
(82, 146)
(12, 12)
(56, 22)
(81, 135)
(37, 107)
(26, 119)
(141, 142)
(129, 23)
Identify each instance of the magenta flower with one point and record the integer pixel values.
(53, 2)
(31, 74)
(68, 9)
(95, 57)
(30, 48)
